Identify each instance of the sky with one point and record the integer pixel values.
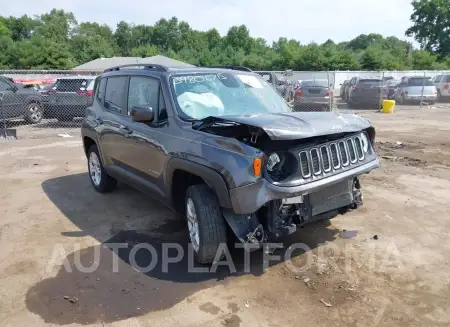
(305, 21)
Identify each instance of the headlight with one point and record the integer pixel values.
(281, 165)
(365, 142)
(274, 158)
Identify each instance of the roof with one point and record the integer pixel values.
(101, 64)
(77, 77)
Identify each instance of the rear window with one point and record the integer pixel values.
(71, 85)
(420, 82)
(315, 83)
(392, 82)
(446, 79)
(372, 82)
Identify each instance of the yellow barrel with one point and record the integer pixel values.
(388, 106)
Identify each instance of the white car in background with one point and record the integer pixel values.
(442, 83)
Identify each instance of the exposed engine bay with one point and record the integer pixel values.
(290, 162)
(281, 217)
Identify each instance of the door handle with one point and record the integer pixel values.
(125, 129)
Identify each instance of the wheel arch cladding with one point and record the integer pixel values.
(211, 178)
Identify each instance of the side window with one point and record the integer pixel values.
(162, 107)
(116, 94)
(143, 91)
(437, 79)
(101, 88)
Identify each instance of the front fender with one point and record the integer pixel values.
(211, 177)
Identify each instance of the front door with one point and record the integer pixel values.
(145, 153)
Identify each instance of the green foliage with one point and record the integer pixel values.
(431, 25)
(56, 40)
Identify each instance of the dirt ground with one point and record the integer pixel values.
(385, 264)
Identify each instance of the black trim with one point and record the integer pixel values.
(241, 68)
(211, 177)
(159, 68)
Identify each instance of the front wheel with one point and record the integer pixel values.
(206, 224)
(34, 113)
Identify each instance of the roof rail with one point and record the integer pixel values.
(159, 68)
(242, 68)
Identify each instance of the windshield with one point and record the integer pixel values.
(420, 82)
(392, 82)
(231, 93)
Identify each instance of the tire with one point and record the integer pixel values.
(101, 181)
(211, 226)
(34, 113)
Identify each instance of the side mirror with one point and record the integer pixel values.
(143, 114)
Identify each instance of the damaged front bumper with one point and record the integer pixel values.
(249, 198)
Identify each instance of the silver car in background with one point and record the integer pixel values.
(314, 95)
(442, 83)
(416, 89)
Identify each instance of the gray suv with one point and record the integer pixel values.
(222, 147)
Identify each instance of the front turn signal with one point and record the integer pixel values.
(257, 166)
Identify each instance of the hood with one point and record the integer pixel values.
(298, 125)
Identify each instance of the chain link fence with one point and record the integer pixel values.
(39, 104)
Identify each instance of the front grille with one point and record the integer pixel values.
(331, 157)
(304, 164)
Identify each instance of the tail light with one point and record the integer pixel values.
(299, 93)
(328, 93)
(446, 86)
(85, 92)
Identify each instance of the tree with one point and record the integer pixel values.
(56, 40)
(431, 25)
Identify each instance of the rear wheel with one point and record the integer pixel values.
(100, 180)
(206, 224)
(33, 113)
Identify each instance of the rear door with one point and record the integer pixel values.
(113, 133)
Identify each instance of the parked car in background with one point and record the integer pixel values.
(442, 83)
(416, 89)
(68, 97)
(366, 92)
(391, 85)
(17, 101)
(342, 88)
(314, 95)
(279, 83)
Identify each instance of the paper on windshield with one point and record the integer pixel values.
(253, 81)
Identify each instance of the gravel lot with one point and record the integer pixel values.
(385, 264)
